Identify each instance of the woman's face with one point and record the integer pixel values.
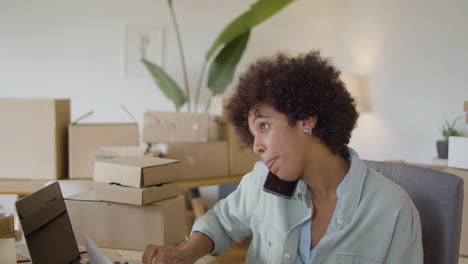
(281, 146)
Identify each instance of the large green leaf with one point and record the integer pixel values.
(223, 66)
(167, 85)
(257, 13)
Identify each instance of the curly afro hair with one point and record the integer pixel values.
(299, 87)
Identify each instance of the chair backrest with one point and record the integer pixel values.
(438, 196)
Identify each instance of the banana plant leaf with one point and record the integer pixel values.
(167, 85)
(257, 13)
(223, 66)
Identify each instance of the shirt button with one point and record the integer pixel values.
(287, 256)
(339, 221)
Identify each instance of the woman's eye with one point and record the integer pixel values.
(264, 126)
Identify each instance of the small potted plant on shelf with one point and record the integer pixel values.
(448, 130)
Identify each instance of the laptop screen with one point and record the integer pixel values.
(47, 228)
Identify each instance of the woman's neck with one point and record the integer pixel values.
(324, 172)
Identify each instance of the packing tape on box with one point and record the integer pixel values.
(6, 224)
(16, 235)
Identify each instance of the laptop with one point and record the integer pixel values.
(48, 231)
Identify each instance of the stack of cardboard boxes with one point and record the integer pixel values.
(206, 144)
(241, 159)
(194, 139)
(134, 202)
(39, 142)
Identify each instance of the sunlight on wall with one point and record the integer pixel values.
(370, 135)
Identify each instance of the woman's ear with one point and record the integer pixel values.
(309, 122)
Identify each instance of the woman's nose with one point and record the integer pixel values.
(258, 146)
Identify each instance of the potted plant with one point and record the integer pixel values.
(221, 58)
(448, 130)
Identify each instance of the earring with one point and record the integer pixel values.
(308, 130)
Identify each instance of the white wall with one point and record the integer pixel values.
(413, 53)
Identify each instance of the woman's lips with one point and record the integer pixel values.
(271, 163)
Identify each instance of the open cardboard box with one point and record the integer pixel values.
(123, 226)
(85, 139)
(33, 138)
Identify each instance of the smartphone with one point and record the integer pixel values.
(273, 184)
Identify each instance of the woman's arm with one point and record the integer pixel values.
(230, 219)
(198, 246)
(406, 244)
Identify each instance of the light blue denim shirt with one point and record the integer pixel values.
(305, 254)
(376, 222)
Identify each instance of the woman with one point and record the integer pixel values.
(320, 203)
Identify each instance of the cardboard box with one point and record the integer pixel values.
(137, 196)
(465, 106)
(33, 138)
(180, 127)
(199, 160)
(136, 171)
(84, 139)
(458, 152)
(7, 251)
(15, 234)
(7, 224)
(241, 161)
(123, 226)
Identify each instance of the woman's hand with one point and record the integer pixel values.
(165, 255)
(198, 246)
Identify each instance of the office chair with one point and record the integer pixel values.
(438, 196)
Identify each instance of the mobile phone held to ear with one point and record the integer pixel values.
(274, 185)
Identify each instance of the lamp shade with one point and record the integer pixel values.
(359, 90)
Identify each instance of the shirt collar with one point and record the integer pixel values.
(354, 179)
(354, 186)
